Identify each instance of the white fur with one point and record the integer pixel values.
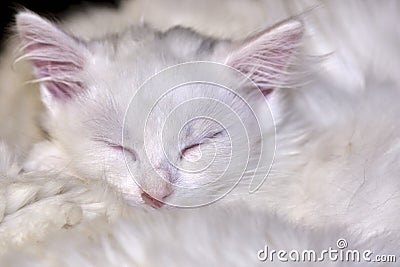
(337, 146)
(85, 122)
(211, 236)
(34, 205)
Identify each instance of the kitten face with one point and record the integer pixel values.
(164, 148)
(117, 120)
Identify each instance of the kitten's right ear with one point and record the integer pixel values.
(58, 58)
(265, 58)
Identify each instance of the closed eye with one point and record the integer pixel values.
(187, 149)
(121, 148)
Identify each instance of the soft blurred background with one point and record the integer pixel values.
(43, 7)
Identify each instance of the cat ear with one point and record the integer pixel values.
(265, 58)
(58, 58)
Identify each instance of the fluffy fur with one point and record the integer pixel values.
(36, 204)
(86, 115)
(337, 149)
(212, 236)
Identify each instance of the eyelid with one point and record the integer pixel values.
(120, 147)
(191, 146)
(126, 149)
(187, 148)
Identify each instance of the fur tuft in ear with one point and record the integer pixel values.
(57, 57)
(265, 58)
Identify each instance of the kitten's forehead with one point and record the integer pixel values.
(182, 112)
(125, 62)
(143, 43)
(154, 109)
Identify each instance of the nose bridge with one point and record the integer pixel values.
(157, 181)
(158, 176)
(155, 169)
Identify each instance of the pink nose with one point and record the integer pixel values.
(152, 201)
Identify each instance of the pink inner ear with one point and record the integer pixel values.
(59, 78)
(265, 59)
(59, 88)
(267, 92)
(58, 59)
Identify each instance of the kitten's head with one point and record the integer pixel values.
(154, 133)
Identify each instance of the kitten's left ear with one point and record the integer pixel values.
(266, 57)
(58, 58)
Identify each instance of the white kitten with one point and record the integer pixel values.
(86, 114)
(337, 151)
(88, 87)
